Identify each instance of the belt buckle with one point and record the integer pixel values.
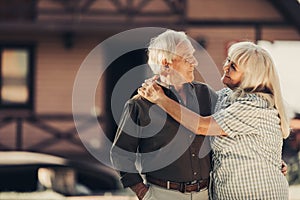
(168, 185)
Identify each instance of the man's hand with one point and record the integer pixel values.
(140, 190)
(284, 168)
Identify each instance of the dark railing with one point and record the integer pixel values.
(41, 122)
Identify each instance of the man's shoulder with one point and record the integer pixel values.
(202, 86)
(138, 100)
(204, 89)
(199, 84)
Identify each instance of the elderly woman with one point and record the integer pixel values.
(249, 124)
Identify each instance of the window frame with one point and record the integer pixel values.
(30, 48)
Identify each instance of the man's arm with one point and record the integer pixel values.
(124, 149)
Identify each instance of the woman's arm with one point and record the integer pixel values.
(191, 120)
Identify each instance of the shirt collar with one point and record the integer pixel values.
(189, 85)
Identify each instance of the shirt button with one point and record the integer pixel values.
(195, 173)
(191, 136)
(193, 154)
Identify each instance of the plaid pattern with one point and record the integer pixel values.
(247, 163)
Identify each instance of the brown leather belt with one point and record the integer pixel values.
(194, 186)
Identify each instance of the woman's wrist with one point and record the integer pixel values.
(161, 100)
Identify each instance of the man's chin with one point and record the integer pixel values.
(190, 80)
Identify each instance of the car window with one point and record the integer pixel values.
(18, 178)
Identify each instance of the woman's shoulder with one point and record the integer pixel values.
(224, 92)
(254, 99)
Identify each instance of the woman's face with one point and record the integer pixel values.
(232, 74)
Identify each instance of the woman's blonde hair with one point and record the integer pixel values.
(260, 76)
(165, 46)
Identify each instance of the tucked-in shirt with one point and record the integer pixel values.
(247, 162)
(150, 142)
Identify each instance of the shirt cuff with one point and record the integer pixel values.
(130, 179)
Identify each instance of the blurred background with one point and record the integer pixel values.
(44, 42)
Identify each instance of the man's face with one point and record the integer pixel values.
(183, 65)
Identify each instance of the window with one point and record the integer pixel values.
(16, 81)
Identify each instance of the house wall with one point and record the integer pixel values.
(232, 9)
(56, 66)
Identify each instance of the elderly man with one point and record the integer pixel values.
(174, 161)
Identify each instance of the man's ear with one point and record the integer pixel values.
(164, 62)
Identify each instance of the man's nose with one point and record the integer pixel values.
(194, 62)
